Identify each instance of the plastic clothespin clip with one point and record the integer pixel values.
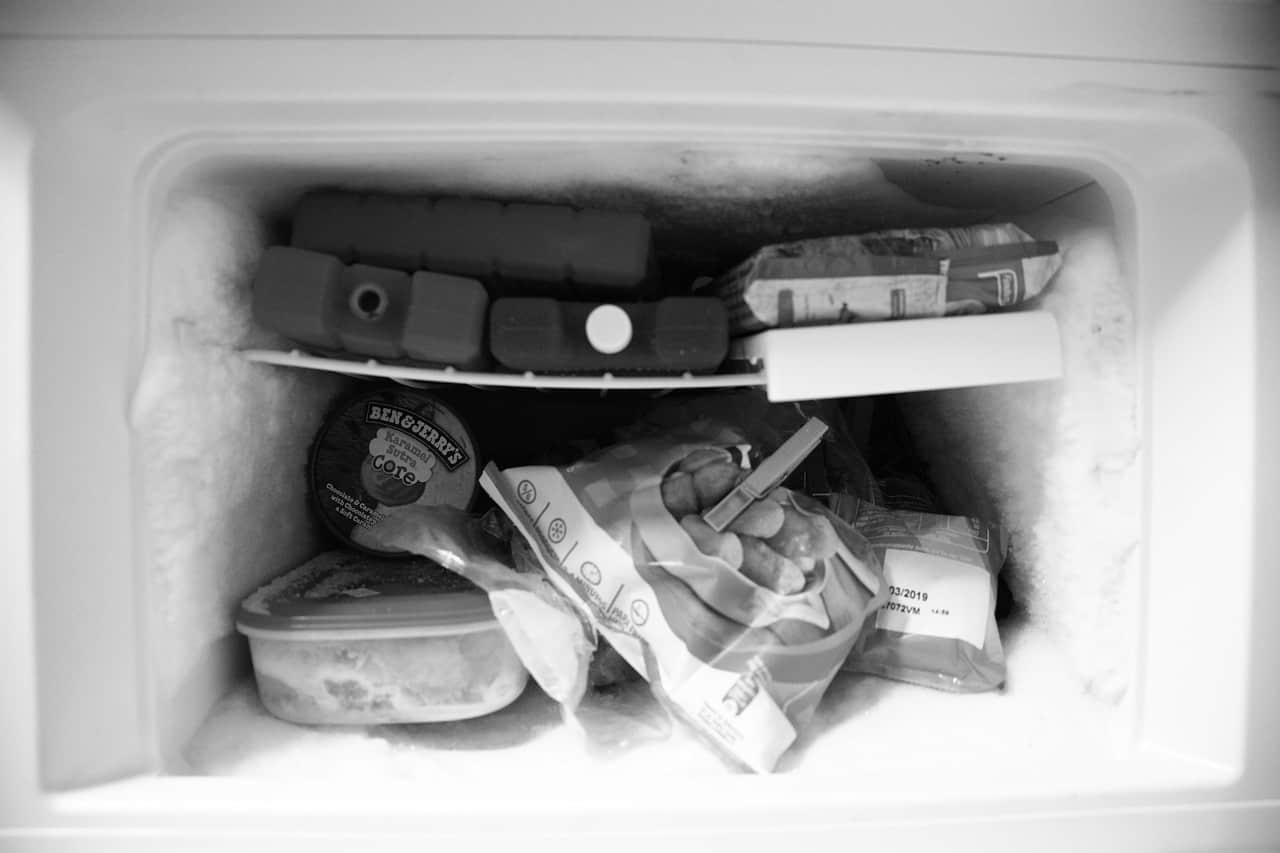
(767, 476)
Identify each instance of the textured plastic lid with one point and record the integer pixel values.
(351, 593)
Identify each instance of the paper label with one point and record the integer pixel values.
(935, 596)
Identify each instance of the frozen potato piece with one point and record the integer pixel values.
(804, 536)
(761, 519)
(825, 539)
(767, 568)
(698, 458)
(726, 546)
(678, 495)
(793, 539)
(714, 480)
(796, 632)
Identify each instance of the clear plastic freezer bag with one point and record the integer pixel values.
(739, 631)
(551, 639)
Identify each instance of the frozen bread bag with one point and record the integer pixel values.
(938, 626)
(739, 626)
(886, 275)
(990, 267)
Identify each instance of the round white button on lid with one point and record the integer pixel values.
(608, 329)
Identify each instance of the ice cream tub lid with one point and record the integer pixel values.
(386, 448)
(349, 594)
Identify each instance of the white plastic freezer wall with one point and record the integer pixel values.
(146, 153)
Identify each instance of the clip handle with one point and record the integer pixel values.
(767, 476)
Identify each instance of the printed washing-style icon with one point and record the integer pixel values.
(639, 611)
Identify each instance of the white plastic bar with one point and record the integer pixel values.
(403, 372)
(864, 359)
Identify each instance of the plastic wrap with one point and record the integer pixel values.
(738, 631)
(550, 638)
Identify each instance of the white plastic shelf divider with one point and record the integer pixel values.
(851, 360)
(452, 376)
(864, 359)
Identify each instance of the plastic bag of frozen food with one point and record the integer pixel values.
(738, 629)
(549, 636)
(989, 266)
(836, 465)
(886, 275)
(827, 281)
(938, 626)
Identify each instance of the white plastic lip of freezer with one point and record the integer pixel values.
(96, 179)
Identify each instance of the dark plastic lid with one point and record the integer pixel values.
(341, 591)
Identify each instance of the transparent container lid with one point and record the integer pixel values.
(351, 594)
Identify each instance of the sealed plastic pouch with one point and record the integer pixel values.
(739, 629)
(937, 628)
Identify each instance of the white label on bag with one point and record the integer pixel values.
(935, 596)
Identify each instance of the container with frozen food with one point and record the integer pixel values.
(357, 640)
(886, 275)
(316, 301)
(516, 249)
(739, 631)
(389, 447)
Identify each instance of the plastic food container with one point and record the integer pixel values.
(385, 448)
(356, 640)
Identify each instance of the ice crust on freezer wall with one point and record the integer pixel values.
(223, 446)
(1059, 463)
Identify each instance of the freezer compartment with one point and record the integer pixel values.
(218, 445)
(727, 201)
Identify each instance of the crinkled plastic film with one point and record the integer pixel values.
(740, 632)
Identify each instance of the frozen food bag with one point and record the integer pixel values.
(739, 630)
(549, 636)
(836, 465)
(938, 626)
(828, 281)
(887, 275)
(990, 266)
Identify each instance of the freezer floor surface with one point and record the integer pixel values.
(864, 722)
